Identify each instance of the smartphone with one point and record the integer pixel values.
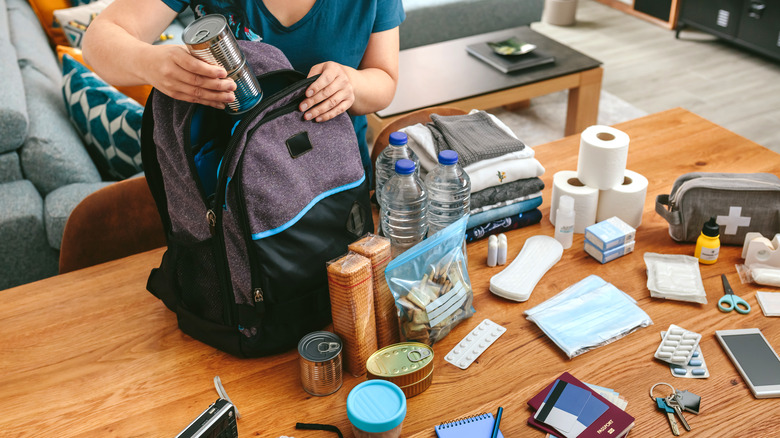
(754, 358)
(217, 421)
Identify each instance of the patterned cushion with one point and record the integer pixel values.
(74, 21)
(108, 121)
(139, 93)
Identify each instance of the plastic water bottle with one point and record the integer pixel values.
(385, 162)
(403, 212)
(449, 192)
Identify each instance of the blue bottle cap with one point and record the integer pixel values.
(398, 138)
(404, 166)
(448, 157)
(376, 406)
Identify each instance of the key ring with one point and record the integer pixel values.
(661, 383)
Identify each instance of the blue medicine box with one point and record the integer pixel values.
(610, 254)
(609, 233)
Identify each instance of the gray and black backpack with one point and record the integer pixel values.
(253, 207)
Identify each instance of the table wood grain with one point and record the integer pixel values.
(92, 353)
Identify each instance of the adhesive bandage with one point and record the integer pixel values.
(518, 280)
(476, 342)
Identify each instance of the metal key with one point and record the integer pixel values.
(661, 402)
(672, 402)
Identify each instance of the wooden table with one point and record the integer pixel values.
(445, 74)
(92, 353)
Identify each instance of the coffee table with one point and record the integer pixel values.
(445, 74)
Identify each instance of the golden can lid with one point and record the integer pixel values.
(402, 363)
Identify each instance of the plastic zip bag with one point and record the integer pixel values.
(431, 286)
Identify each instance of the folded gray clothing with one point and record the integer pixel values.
(474, 137)
(504, 192)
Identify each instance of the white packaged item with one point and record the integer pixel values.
(674, 277)
(759, 274)
(474, 344)
(610, 254)
(677, 345)
(696, 368)
(610, 233)
(626, 201)
(502, 248)
(769, 302)
(602, 157)
(492, 254)
(564, 221)
(586, 199)
(517, 281)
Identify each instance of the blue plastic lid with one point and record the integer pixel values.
(376, 406)
(398, 138)
(404, 166)
(448, 157)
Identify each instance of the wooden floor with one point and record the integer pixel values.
(647, 67)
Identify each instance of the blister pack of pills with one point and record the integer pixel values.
(476, 342)
(678, 345)
(696, 368)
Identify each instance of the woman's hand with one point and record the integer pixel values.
(330, 95)
(174, 71)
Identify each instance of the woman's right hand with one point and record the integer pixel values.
(174, 71)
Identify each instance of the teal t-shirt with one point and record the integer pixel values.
(333, 30)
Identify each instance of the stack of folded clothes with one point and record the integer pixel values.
(506, 190)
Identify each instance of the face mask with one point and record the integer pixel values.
(587, 315)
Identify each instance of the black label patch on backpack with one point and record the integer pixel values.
(299, 144)
(356, 220)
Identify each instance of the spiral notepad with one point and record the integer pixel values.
(478, 426)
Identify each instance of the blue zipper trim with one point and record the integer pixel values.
(318, 198)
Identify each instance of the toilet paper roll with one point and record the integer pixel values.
(602, 158)
(586, 199)
(626, 201)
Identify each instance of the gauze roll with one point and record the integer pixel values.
(586, 199)
(626, 201)
(602, 158)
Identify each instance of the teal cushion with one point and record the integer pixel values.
(108, 121)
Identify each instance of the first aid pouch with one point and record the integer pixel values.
(739, 202)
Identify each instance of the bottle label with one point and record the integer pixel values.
(709, 254)
(566, 229)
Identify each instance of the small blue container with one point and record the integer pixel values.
(376, 407)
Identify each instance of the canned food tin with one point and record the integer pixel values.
(210, 40)
(407, 364)
(320, 359)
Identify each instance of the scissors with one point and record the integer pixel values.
(729, 301)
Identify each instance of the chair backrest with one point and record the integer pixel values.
(420, 116)
(114, 222)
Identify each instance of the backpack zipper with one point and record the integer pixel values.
(230, 150)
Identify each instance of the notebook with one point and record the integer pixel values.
(478, 426)
(613, 423)
(508, 63)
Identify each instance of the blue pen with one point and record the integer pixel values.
(497, 423)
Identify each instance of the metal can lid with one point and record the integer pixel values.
(204, 29)
(319, 346)
(404, 358)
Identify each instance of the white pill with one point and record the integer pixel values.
(676, 331)
(674, 338)
(667, 348)
(678, 358)
(688, 342)
(691, 336)
(664, 354)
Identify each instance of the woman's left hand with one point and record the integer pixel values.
(330, 95)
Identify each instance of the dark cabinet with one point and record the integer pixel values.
(754, 24)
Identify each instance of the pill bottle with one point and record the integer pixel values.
(564, 221)
(376, 409)
(708, 243)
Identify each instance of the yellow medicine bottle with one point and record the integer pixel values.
(708, 243)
